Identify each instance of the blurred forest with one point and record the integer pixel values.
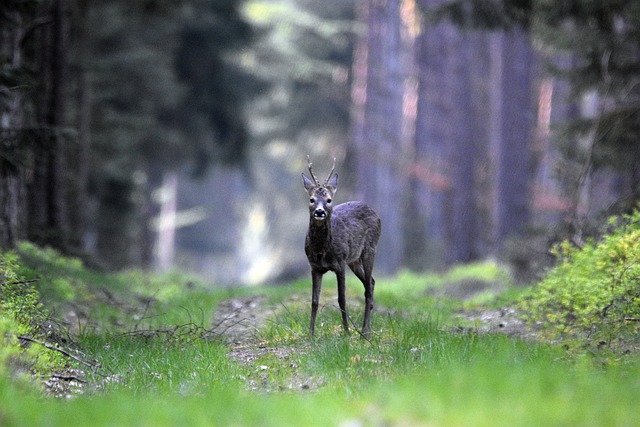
(162, 133)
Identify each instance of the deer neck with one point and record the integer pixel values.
(319, 235)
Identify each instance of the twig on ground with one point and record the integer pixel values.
(68, 378)
(146, 308)
(58, 349)
(355, 327)
(178, 331)
(19, 282)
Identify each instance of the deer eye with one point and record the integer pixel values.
(312, 200)
(329, 201)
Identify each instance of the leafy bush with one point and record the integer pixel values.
(594, 291)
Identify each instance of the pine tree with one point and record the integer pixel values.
(163, 97)
(379, 142)
(17, 20)
(603, 41)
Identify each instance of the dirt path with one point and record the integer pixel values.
(504, 320)
(238, 320)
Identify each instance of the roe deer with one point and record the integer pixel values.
(340, 236)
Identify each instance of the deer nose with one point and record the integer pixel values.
(319, 213)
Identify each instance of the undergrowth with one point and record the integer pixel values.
(591, 299)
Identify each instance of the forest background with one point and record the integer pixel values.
(165, 133)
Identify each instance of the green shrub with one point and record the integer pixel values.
(593, 294)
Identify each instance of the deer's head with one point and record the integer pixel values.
(320, 195)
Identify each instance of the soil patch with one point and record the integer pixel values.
(504, 320)
(465, 289)
(238, 321)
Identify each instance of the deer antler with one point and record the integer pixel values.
(330, 173)
(310, 171)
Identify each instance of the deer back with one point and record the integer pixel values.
(356, 229)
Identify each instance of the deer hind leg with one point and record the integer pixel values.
(369, 286)
(364, 275)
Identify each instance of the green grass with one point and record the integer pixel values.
(159, 366)
(452, 380)
(137, 365)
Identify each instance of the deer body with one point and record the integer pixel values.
(339, 237)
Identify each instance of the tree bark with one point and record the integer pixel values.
(12, 136)
(462, 232)
(379, 150)
(447, 140)
(512, 122)
(79, 154)
(430, 181)
(48, 220)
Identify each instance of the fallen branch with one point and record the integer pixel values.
(178, 332)
(68, 378)
(18, 282)
(61, 350)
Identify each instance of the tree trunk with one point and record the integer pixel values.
(115, 223)
(13, 154)
(429, 174)
(379, 149)
(356, 154)
(511, 126)
(462, 232)
(166, 243)
(447, 140)
(48, 220)
(79, 154)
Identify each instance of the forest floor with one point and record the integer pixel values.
(239, 321)
(446, 349)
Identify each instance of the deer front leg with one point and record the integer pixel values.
(316, 278)
(342, 302)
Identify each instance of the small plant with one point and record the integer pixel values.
(593, 293)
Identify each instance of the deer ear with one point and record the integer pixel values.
(307, 182)
(333, 183)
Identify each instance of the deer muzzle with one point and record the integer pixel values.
(319, 213)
